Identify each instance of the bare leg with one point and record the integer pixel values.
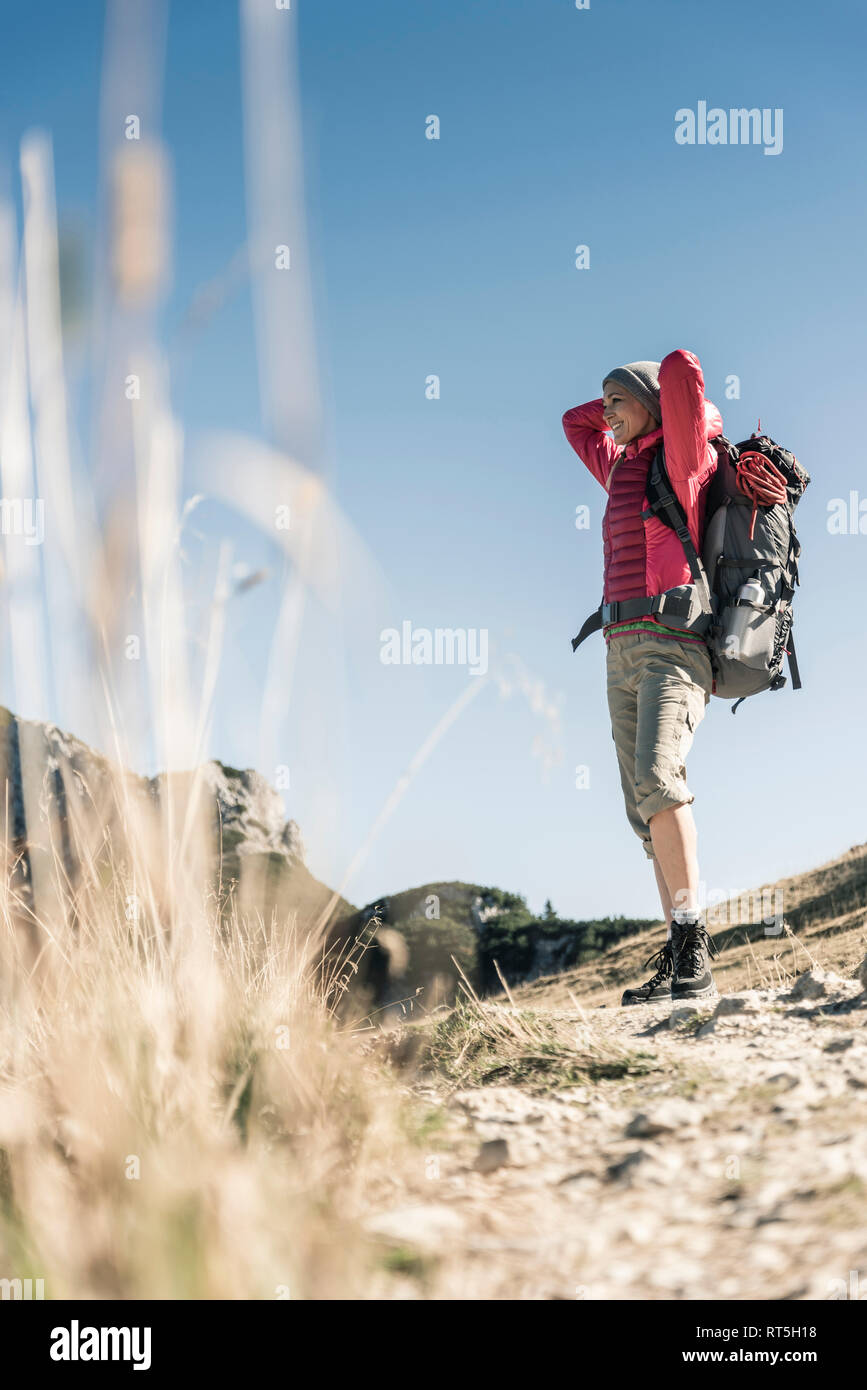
(664, 895)
(673, 835)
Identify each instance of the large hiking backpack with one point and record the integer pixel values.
(743, 539)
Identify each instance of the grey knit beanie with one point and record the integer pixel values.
(641, 380)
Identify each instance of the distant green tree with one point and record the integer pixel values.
(548, 913)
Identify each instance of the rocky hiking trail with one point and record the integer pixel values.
(578, 1150)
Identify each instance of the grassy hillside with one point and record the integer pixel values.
(423, 928)
(824, 909)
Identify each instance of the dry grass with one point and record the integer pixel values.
(181, 1115)
(484, 1042)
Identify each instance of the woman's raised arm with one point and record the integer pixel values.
(585, 429)
(688, 419)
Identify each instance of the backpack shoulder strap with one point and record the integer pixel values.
(664, 504)
(793, 662)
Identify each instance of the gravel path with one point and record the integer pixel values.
(736, 1169)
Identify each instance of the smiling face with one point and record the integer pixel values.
(625, 416)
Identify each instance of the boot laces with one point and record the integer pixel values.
(694, 943)
(665, 963)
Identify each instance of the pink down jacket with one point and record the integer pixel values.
(646, 557)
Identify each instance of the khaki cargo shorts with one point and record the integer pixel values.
(658, 689)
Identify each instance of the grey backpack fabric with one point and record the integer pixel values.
(729, 557)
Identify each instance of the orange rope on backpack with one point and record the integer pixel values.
(760, 480)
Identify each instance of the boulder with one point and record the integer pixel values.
(746, 1003)
(813, 984)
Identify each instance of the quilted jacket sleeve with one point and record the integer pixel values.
(585, 429)
(689, 422)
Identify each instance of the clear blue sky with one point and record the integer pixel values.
(456, 257)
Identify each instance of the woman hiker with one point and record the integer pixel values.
(659, 675)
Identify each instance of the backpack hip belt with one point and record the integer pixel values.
(677, 605)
